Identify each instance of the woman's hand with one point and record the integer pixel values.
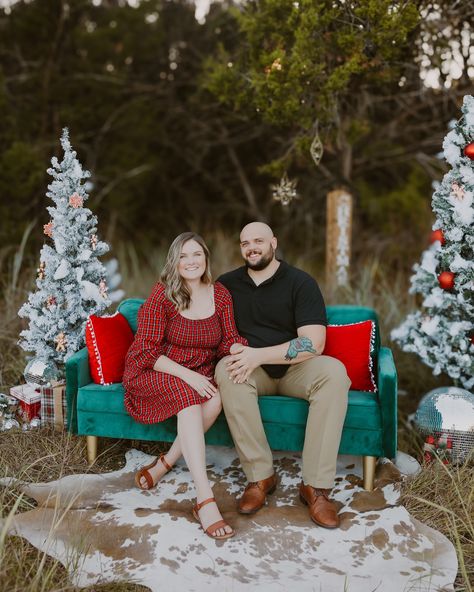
(201, 384)
(236, 348)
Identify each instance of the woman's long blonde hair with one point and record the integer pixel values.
(175, 286)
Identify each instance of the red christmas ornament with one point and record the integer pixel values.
(469, 150)
(429, 450)
(446, 280)
(437, 235)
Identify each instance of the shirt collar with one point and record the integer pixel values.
(282, 269)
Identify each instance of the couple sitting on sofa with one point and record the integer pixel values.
(274, 345)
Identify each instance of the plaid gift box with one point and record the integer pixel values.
(29, 397)
(53, 405)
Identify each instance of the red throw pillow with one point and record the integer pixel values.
(352, 345)
(108, 339)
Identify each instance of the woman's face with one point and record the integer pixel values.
(192, 261)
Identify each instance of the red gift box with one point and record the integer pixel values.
(29, 398)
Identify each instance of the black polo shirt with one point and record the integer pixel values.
(271, 313)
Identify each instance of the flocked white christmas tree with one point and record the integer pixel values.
(442, 333)
(71, 281)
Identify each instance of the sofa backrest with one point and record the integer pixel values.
(340, 314)
(129, 309)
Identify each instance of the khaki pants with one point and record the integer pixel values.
(323, 382)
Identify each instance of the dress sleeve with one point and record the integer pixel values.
(225, 311)
(151, 321)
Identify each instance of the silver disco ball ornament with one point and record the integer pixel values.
(447, 413)
(40, 371)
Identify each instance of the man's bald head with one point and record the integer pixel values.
(254, 229)
(257, 245)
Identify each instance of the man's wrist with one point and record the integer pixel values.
(262, 355)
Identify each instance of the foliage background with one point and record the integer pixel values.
(177, 139)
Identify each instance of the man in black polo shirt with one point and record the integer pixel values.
(281, 312)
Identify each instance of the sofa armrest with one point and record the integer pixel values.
(387, 386)
(77, 375)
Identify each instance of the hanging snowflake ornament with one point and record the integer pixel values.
(48, 229)
(61, 342)
(316, 150)
(76, 200)
(285, 191)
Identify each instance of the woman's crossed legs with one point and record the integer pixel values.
(193, 422)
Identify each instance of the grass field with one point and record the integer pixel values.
(440, 496)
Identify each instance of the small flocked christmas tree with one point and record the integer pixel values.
(442, 333)
(71, 281)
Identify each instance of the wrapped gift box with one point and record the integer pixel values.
(53, 405)
(29, 398)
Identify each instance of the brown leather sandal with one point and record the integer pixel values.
(213, 527)
(143, 472)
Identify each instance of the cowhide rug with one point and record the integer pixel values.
(103, 529)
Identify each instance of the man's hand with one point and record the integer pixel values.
(242, 362)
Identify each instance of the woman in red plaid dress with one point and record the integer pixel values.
(184, 327)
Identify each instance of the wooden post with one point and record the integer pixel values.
(338, 239)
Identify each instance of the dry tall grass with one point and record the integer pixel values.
(443, 497)
(40, 456)
(439, 496)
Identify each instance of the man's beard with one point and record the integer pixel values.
(263, 262)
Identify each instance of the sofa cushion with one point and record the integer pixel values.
(363, 408)
(353, 345)
(108, 339)
(101, 398)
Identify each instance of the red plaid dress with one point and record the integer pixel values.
(151, 396)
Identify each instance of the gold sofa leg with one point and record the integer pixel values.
(369, 472)
(92, 442)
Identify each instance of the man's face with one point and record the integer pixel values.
(257, 250)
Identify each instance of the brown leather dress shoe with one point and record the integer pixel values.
(255, 495)
(321, 509)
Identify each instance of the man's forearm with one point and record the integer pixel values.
(291, 352)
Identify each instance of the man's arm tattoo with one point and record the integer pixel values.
(300, 344)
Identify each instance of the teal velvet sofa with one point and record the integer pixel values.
(370, 427)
